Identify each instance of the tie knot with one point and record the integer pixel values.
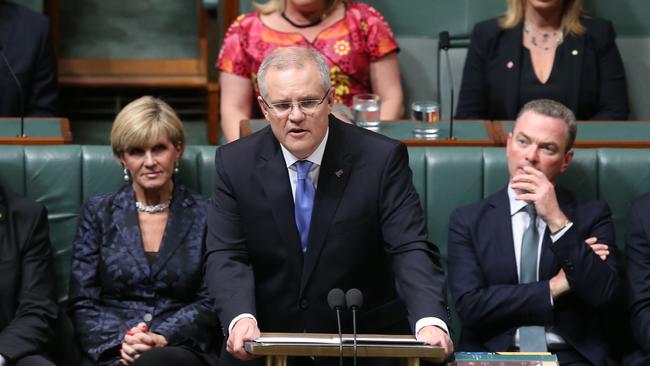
(530, 210)
(303, 166)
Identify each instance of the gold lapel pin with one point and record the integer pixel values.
(574, 52)
(339, 173)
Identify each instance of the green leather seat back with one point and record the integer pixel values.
(623, 175)
(12, 168)
(53, 178)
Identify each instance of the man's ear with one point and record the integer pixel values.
(331, 98)
(263, 107)
(568, 158)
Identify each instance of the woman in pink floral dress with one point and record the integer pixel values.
(354, 38)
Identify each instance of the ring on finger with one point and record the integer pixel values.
(534, 188)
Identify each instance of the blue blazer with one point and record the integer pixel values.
(113, 287)
(25, 42)
(485, 287)
(637, 249)
(593, 74)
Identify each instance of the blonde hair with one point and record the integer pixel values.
(144, 122)
(571, 12)
(278, 5)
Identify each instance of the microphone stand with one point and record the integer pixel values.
(20, 90)
(336, 301)
(451, 97)
(354, 299)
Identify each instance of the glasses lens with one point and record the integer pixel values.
(308, 105)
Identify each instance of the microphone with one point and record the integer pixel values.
(354, 299)
(444, 43)
(20, 90)
(336, 301)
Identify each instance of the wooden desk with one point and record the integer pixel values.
(592, 134)
(466, 132)
(37, 130)
(277, 353)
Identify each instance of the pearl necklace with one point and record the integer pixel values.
(152, 209)
(543, 43)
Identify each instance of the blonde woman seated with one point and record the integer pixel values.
(355, 39)
(543, 50)
(137, 293)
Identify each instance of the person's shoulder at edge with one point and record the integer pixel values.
(361, 10)
(24, 17)
(640, 201)
(245, 21)
(16, 201)
(599, 29)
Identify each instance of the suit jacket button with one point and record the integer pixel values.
(304, 304)
(147, 317)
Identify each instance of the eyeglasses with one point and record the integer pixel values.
(307, 106)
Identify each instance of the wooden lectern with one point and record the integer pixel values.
(278, 346)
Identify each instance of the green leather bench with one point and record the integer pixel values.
(62, 177)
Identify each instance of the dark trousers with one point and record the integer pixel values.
(172, 356)
(33, 360)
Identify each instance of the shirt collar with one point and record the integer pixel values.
(515, 204)
(316, 157)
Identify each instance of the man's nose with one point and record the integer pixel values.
(532, 154)
(296, 113)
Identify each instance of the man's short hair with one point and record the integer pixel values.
(292, 57)
(553, 109)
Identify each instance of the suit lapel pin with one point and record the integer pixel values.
(574, 52)
(338, 173)
(510, 64)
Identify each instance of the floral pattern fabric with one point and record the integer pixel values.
(349, 46)
(113, 286)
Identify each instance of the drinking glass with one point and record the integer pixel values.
(427, 113)
(366, 108)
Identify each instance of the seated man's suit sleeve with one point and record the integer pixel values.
(31, 327)
(594, 281)
(637, 248)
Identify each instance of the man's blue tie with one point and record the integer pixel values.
(304, 201)
(532, 338)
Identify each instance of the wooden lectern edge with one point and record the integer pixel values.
(409, 352)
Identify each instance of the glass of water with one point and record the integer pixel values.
(428, 113)
(366, 108)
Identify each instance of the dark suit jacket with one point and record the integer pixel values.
(594, 75)
(485, 287)
(367, 232)
(637, 249)
(28, 306)
(113, 286)
(25, 42)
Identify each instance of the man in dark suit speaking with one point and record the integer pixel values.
(524, 269)
(310, 204)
